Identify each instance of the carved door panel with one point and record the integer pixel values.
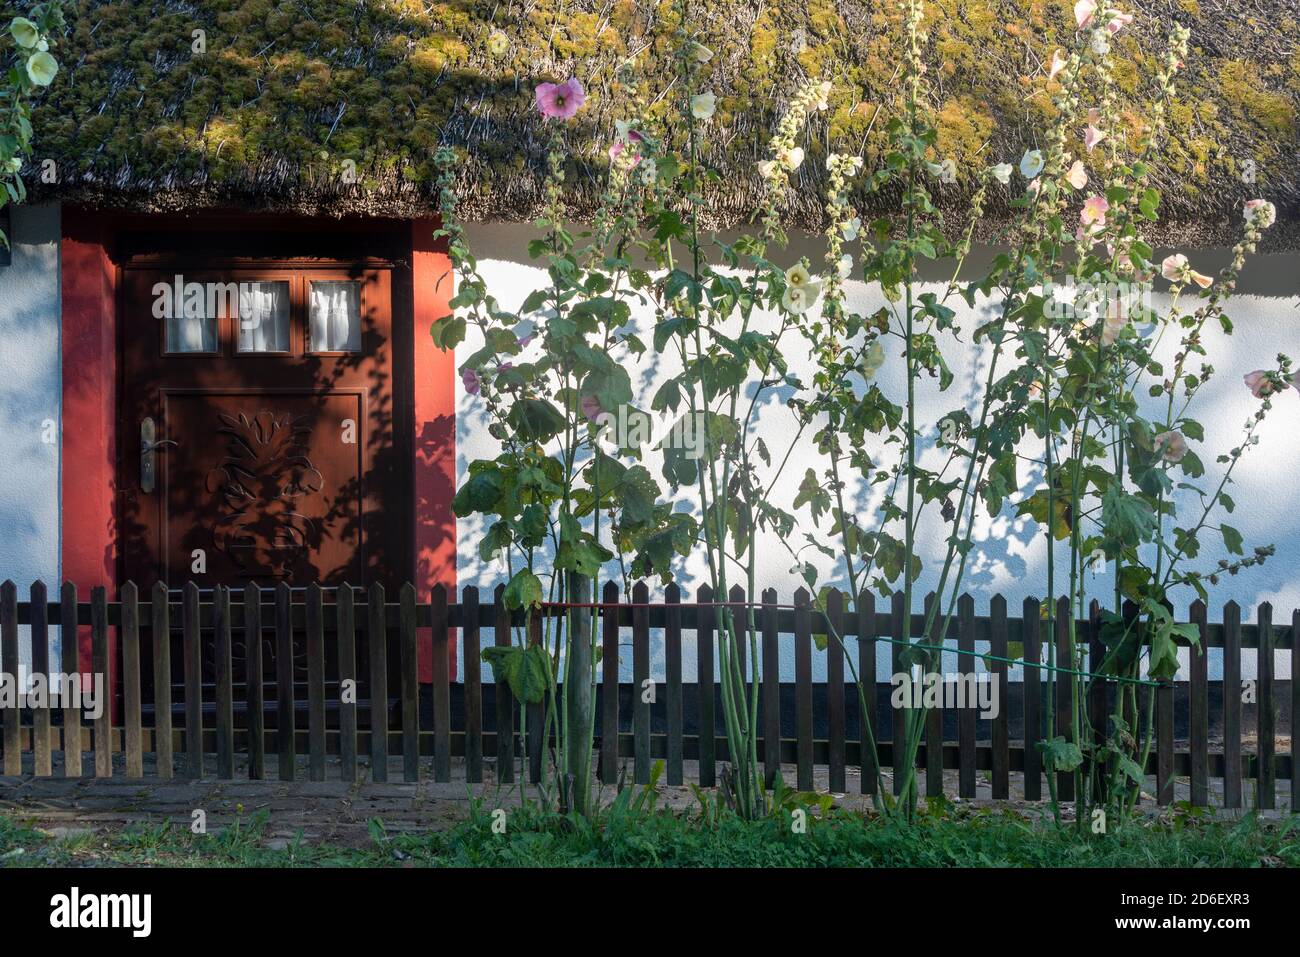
(257, 423)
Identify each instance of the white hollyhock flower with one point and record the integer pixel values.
(845, 267)
(1031, 164)
(1001, 173)
(849, 229)
(799, 299)
(703, 106)
(791, 158)
(797, 275)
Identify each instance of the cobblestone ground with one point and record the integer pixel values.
(337, 812)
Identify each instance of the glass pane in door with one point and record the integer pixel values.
(335, 317)
(264, 316)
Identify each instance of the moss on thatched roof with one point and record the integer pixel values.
(290, 95)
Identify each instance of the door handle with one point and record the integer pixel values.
(149, 444)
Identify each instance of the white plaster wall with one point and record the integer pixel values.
(30, 393)
(1010, 554)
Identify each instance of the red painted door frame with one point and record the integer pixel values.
(92, 452)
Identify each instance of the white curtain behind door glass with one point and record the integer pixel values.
(264, 317)
(335, 317)
(192, 334)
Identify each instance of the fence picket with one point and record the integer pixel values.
(285, 720)
(193, 680)
(867, 724)
(1001, 736)
(315, 620)
(377, 677)
(346, 612)
(898, 631)
(1199, 708)
(1232, 705)
(1062, 683)
(1097, 696)
(1033, 654)
(535, 743)
(640, 679)
(609, 685)
(1164, 742)
(1265, 773)
(505, 770)
(771, 691)
(1295, 710)
(441, 689)
(966, 726)
(99, 656)
(803, 711)
(409, 650)
(705, 617)
(934, 715)
(130, 599)
(673, 676)
(225, 684)
(160, 641)
(472, 654)
(40, 631)
(9, 665)
(70, 652)
(255, 710)
(835, 651)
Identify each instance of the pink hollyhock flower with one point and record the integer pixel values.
(622, 142)
(1172, 445)
(1094, 211)
(1057, 65)
(470, 379)
(505, 367)
(590, 407)
(1077, 176)
(1258, 383)
(1091, 137)
(524, 341)
(1118, 22)
(1263, 209)
(1176, 268)
(1083, 12)
(560, 101)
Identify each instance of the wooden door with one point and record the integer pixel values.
(257, 423)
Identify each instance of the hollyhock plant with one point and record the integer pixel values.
(560, 101)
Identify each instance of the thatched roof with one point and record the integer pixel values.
(290, 94)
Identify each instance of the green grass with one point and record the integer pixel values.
(944, 837)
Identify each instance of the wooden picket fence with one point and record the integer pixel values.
(317, 637)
